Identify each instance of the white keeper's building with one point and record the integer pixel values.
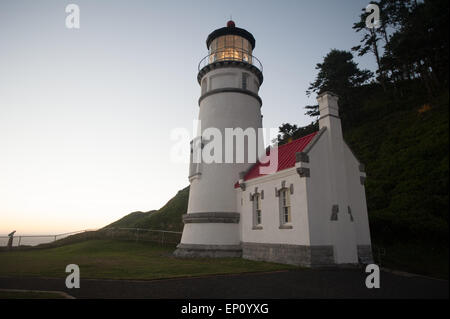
(312, 211)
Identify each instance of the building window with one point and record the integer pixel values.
(257, 215)
(258, 208)
(285, 205)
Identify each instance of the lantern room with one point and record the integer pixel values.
(230, 44)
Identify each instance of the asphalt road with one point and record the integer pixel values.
(294, 284)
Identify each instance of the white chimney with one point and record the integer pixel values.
(329, 114)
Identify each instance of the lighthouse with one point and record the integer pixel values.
(229, 77)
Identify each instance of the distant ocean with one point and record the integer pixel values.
(31, 240)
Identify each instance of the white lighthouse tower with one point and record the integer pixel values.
(230, 77)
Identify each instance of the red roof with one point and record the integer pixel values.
(286, 157)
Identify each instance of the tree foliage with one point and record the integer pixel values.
(292, 132)
(417, 46)
(340, 74)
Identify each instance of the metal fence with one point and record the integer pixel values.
(120, 233)
(34, 240)
(140, 234)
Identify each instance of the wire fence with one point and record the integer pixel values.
(34, 240)
(121, 233)
(140, 234)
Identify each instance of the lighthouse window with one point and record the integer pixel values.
(213, 46)
(244, 80)
(246, 46)
(204, 85)
(220, 43)
(195, 158)
(238, 42)
(229, 41)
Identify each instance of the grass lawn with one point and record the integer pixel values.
(115, 259)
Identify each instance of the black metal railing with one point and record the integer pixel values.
(230, 55)
(163, 237)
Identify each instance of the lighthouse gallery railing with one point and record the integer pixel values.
(230, 55)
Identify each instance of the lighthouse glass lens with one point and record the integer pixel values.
(238, 42)
(230, 47)
(220, 43)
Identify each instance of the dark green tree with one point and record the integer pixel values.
(420, 47)
(393, 14)
(289, 131)
(369, 42)
(340, 74)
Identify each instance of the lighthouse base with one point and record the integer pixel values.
(211, 251)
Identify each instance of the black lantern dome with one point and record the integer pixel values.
(230, 30)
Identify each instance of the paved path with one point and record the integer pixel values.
(310, 283)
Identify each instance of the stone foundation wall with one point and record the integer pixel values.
(300, 255)
(309, 256)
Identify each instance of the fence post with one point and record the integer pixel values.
(137, 234)
(20, 239)
(162, 238)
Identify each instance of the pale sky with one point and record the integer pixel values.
(86, 115)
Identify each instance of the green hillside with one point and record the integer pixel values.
(166, 218)
(131, 219)
(404, 143)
